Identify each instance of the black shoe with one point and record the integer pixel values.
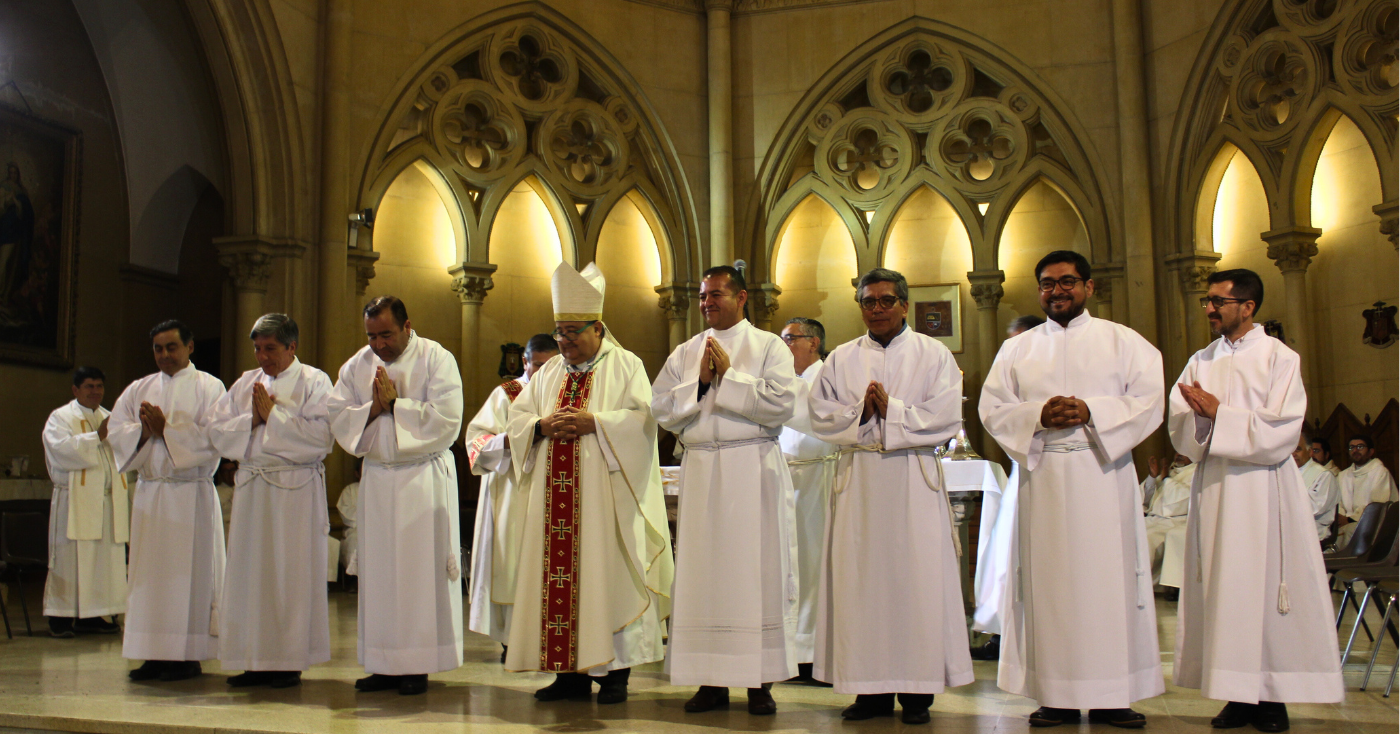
(1172, 594)
(566, 685)
(96, 626)
(61, 628)
(1121, 718)
(1047, 716)
(914, 707)
(377, 682)
(868, 706)
(181, 670)
(503, 654)
(1271, 716)
(250, 678)
(149, 670)
(1234, 715)
(413, 685)
(804, 674)
(989, 650)
(761, 702)
(612, 688)
(708, 698)
(284, 679)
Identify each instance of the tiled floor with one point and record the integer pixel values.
(80, 686)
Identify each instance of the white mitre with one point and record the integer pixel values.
(577, 296)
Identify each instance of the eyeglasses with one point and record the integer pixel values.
(790, 338)
(1219, 301)
(1068, 282)
(1357, 447)
(885, 302)
(572, 335)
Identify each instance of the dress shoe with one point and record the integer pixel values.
(566, 685)
(250, 678)
(761, 702)
(1234, 715)
(612, 688)
(181, 670)
(149, 670)
(914, 707)
(707, 698)
(1047, 716)
(989, 650)
(1271, 716)
(1121, 718)
(96, 626)
(413, 685)
(503, 654)
(376, 682)
(1172, 594)
(868, 706)
(61, 628)
(284, 679)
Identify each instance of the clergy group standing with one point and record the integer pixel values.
(726, 394)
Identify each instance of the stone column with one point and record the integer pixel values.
(1389, 213)
(675, 301)
(335, 118)
(470, 281)
(1138, 308)
(987, 292)
(763, 303)
(1193, 270)
(1105, 278)
(721, 121)
(249, 264)
(1292, 249)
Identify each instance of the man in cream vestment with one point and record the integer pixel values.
(1255, 625)
(500, 510)
(398, 403)
(1365, 481)
(273, 420)
(726, 393)
(1322, 485)
(158, 427)
(1068, 401)
(88, 523)
(1166, 496)
(593, 584)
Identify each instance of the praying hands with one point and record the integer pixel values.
(877, 401)
(385, 393)
(262, 404)
(1201, 402)
(714, 363)
(152, 422)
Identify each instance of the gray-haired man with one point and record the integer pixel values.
(274, 423)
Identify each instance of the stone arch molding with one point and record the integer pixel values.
(523, 94)
(926, 104)
(1272, 80)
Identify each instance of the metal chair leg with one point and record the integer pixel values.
(1342, 608)
(1391, 684)
(4, 612)
(1360, 614)
(1375, 650)
(1356, 625)
(19, 585)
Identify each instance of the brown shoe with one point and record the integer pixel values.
(708, 698)
(761, 702)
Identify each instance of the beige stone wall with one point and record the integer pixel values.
(630, 262)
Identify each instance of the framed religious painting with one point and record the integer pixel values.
(38, 239)
(936, 310)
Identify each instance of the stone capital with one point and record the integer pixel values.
(763, 300)
(362, 263)
(1193, 269)
(986, 288)
(675, 300)
(1292, 248)
(248, 261)
(1389, 213)
(725, 5)
(470, 281)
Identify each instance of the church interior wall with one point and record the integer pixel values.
(631, 263)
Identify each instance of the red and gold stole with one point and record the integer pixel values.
(512, 389)
(559, 597)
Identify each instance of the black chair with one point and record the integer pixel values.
(1374, 533)
(3, 611)
(24, 544)
(1373, 574)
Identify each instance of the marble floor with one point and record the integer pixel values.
(81, 686)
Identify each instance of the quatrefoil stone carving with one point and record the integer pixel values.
(918, 81)
(532, 70)
(479, 139)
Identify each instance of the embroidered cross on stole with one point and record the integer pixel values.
(559, 595)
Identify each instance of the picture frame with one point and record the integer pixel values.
(39, 185)
(935, 309)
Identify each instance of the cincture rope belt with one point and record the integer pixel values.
(810, 462)
(719, 445)
(1066, 448)
(266, 473)
(912, 451)
(177, 480)
(408, 462)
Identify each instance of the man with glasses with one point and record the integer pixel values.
(500, 511)
(1321, 484)
(1362, 483)
(726, 393)
(398, 404)
(1255, 625)
(889, 607)
(593, 583)
(1068, 401)
(1322, 455)
(812, 464)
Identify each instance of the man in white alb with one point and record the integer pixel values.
(1255, 626)
(889, 606)
(500, 510)
(398, 403)
(346, 504)
(1322, 485)
(274, 422)
(88, 519)
(1365, 481)
(812, 463)
(593, 586)
(176, 574)
(1068, 401)
(726, 393)
(1166, 494)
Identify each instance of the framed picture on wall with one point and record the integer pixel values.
(38, 239)
(936, 310)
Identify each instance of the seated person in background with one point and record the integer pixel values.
(1322, 455)
(1167, 494)
(1362, 483)
(1322, 486)
(345, 505)
(223, 484)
